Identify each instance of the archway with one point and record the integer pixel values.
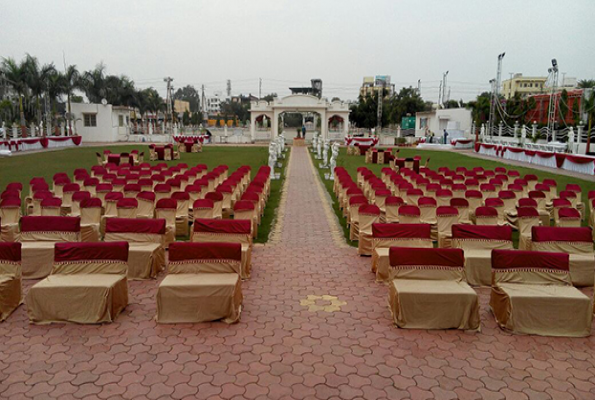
(298, 103)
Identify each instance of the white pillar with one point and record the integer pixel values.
(323, 125)
(345, 124)
(275, 124)
(252, 127)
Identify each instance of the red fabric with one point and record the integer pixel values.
(473, 194)
(427, 202)
(127, 203)
(205, 203)
(224, 189)
(550, 182)
(494, 202)
(459, 202)
(10, 194)
(357, 200)
(80, 196)
(527, 202)
(180, 196)
(15, 186)
(443, 193)
(566, 212)
(415, 192)
(167, 204)
(42, 194)
(243, 205)
(557, 203)
(536, 194)
(162, 188)
(134, 225)
(239, 226)
(527, 212)
(394, 201)
(567, 194)
(409, 210)
(132, 187)
(91, 203)
(444, 211)
(50, 224)
(573, 187)
(51, 202)
(487, 211)
(250, 196)
(149, 196)
(489, 232)
(114, 196)
(181, 251)
(580, 159)
(10, 202)
(506, 194)
(560, 234)
(402, 231)
(433, 257)
(382, 192)
(214, 196)
(369, 210)
(91, 251)
(521, 259)
(10, 251)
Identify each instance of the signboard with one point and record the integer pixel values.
(382, 80)
(408, 123)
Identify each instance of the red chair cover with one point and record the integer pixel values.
(489, 232)
(452, 258)
(521, 259)
(50, 224)
(10, 251)
(134, 225)
(102, 251)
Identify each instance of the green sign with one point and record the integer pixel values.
(408, 123)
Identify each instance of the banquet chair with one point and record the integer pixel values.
(443, 197)
(541, 199)
(428, 290)
(573, 187)
(573, 197)
(446, 217)
(77, 198)
(203, 209)
(392, 204)
(146, 204)
(228, 231)
(90, 185)
(528, 217)
(166, 209)
(50, 207)
(182, 213)
(226, 204)
(380, 197)
(475, 199)
(162, 191)
(569, 217)
(413, 195)
(38, 236)
(127, 207)
(385, 236)
(532, 294)
(558, 204)
(427, 207)
(217, 199)
(244, 209)
(202, 284)
(354, 205)
(368, 215)
(91, 211)
(409, 214)
(10, 215)
(478, 241)
(462, 206)
(10, 278)
(498, 205)
(145, 237)
(131, 190)
(87, 285)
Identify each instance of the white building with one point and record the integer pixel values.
(213, 104)
(101, 123)
(456, 121)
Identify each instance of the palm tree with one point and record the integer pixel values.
(56, 88)
(71, 81)
(589, 107)
(586, 83)
(16, 75)
(154, 101)
(93, 84)
(36, 78)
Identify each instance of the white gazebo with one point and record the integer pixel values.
(298, 103)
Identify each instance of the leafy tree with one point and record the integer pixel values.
(269, 97)
(480, 108)
(196, 118)
(190, 94)
(16, 74)
(36, 78)
(586, 83)
(451, 104)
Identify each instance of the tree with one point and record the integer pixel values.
(269, 97)
(451, 104)
(36, 78)
(71, 82)
(16, 74)
(186, 118)
(93, 84)
(589, 107)
(480, 108)
(586, 83)
(190, 94)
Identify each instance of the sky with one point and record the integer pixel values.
(286, 43)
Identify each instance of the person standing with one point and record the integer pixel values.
(445, 137)
(304, 131)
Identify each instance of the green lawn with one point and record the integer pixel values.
(440, 159)
(24, 167)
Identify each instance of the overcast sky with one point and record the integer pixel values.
(286, 43)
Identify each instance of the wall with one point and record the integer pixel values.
(438, 120)
(104, 131)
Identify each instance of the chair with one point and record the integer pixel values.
(557, 205)
(50, 207)
(532, 294)
(569, 217)
(577, 242)
(217, 199)
(409, 214)
(127, 208)
(38, 236)
(475, 199)
(462, 206)
(478, 242)
(87, 285)
(385, 236)
(446, 217)
(228, 231)
(392, 204)
(244, 209)
(77, 198)
(182, 213)
(427, 207)
(528, 217)
(428, 290)
(498, 205)
(145, 237)
(10, 278)
(162, 191)
(226, 203)
(203, 284)
(203, 209)
(368, 215)
(541, 199)
(413, 196)
(380, 197)
(354, 205)
(166, 209)
(10, 215)
(38, 197)
(131, 190)
(146, 204)
(443, 197)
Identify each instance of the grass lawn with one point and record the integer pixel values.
(441, 159)
(45, 164)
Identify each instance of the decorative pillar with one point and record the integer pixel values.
(346, 124)
(323, 125)
(500, 130)
(252, 127)
(15, 132)
(534, 131)
(515, 129)
(275, 124)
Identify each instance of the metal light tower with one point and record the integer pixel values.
(495, 93)
(553, 106)
(168, 104)
(444, 76)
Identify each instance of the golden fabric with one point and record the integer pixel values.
(146, 254)
(37, 259)
(244, 240)
(10, 288)
(582, 259)
(444, 230)
(90, 233)
(525, 225)
(192, 298)
(478, 258)
(364, 246)
(10, 233)
(380, 259)
(80, 298)
(433, 304)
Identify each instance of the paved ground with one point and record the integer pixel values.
(314, 325)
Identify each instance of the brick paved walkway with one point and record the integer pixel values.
(289, 343)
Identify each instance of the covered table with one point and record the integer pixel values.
(361, 141)
(160, 151)
(40, 143)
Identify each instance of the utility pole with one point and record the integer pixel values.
(203, 103)
(444, 87)
(228, 88)
(259, 88)
(380, 101)
(495, 97)
(168, 80)
(553, 106)
(419, 87)
(440, 95)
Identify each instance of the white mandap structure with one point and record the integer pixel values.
(295, 104)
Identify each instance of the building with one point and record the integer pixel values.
(212, 105)
(373, 84)
(101, 122)
(181, 106)
(243, 99)
(456, 121)
(573, 105)
(523, 85)
(315, 88)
